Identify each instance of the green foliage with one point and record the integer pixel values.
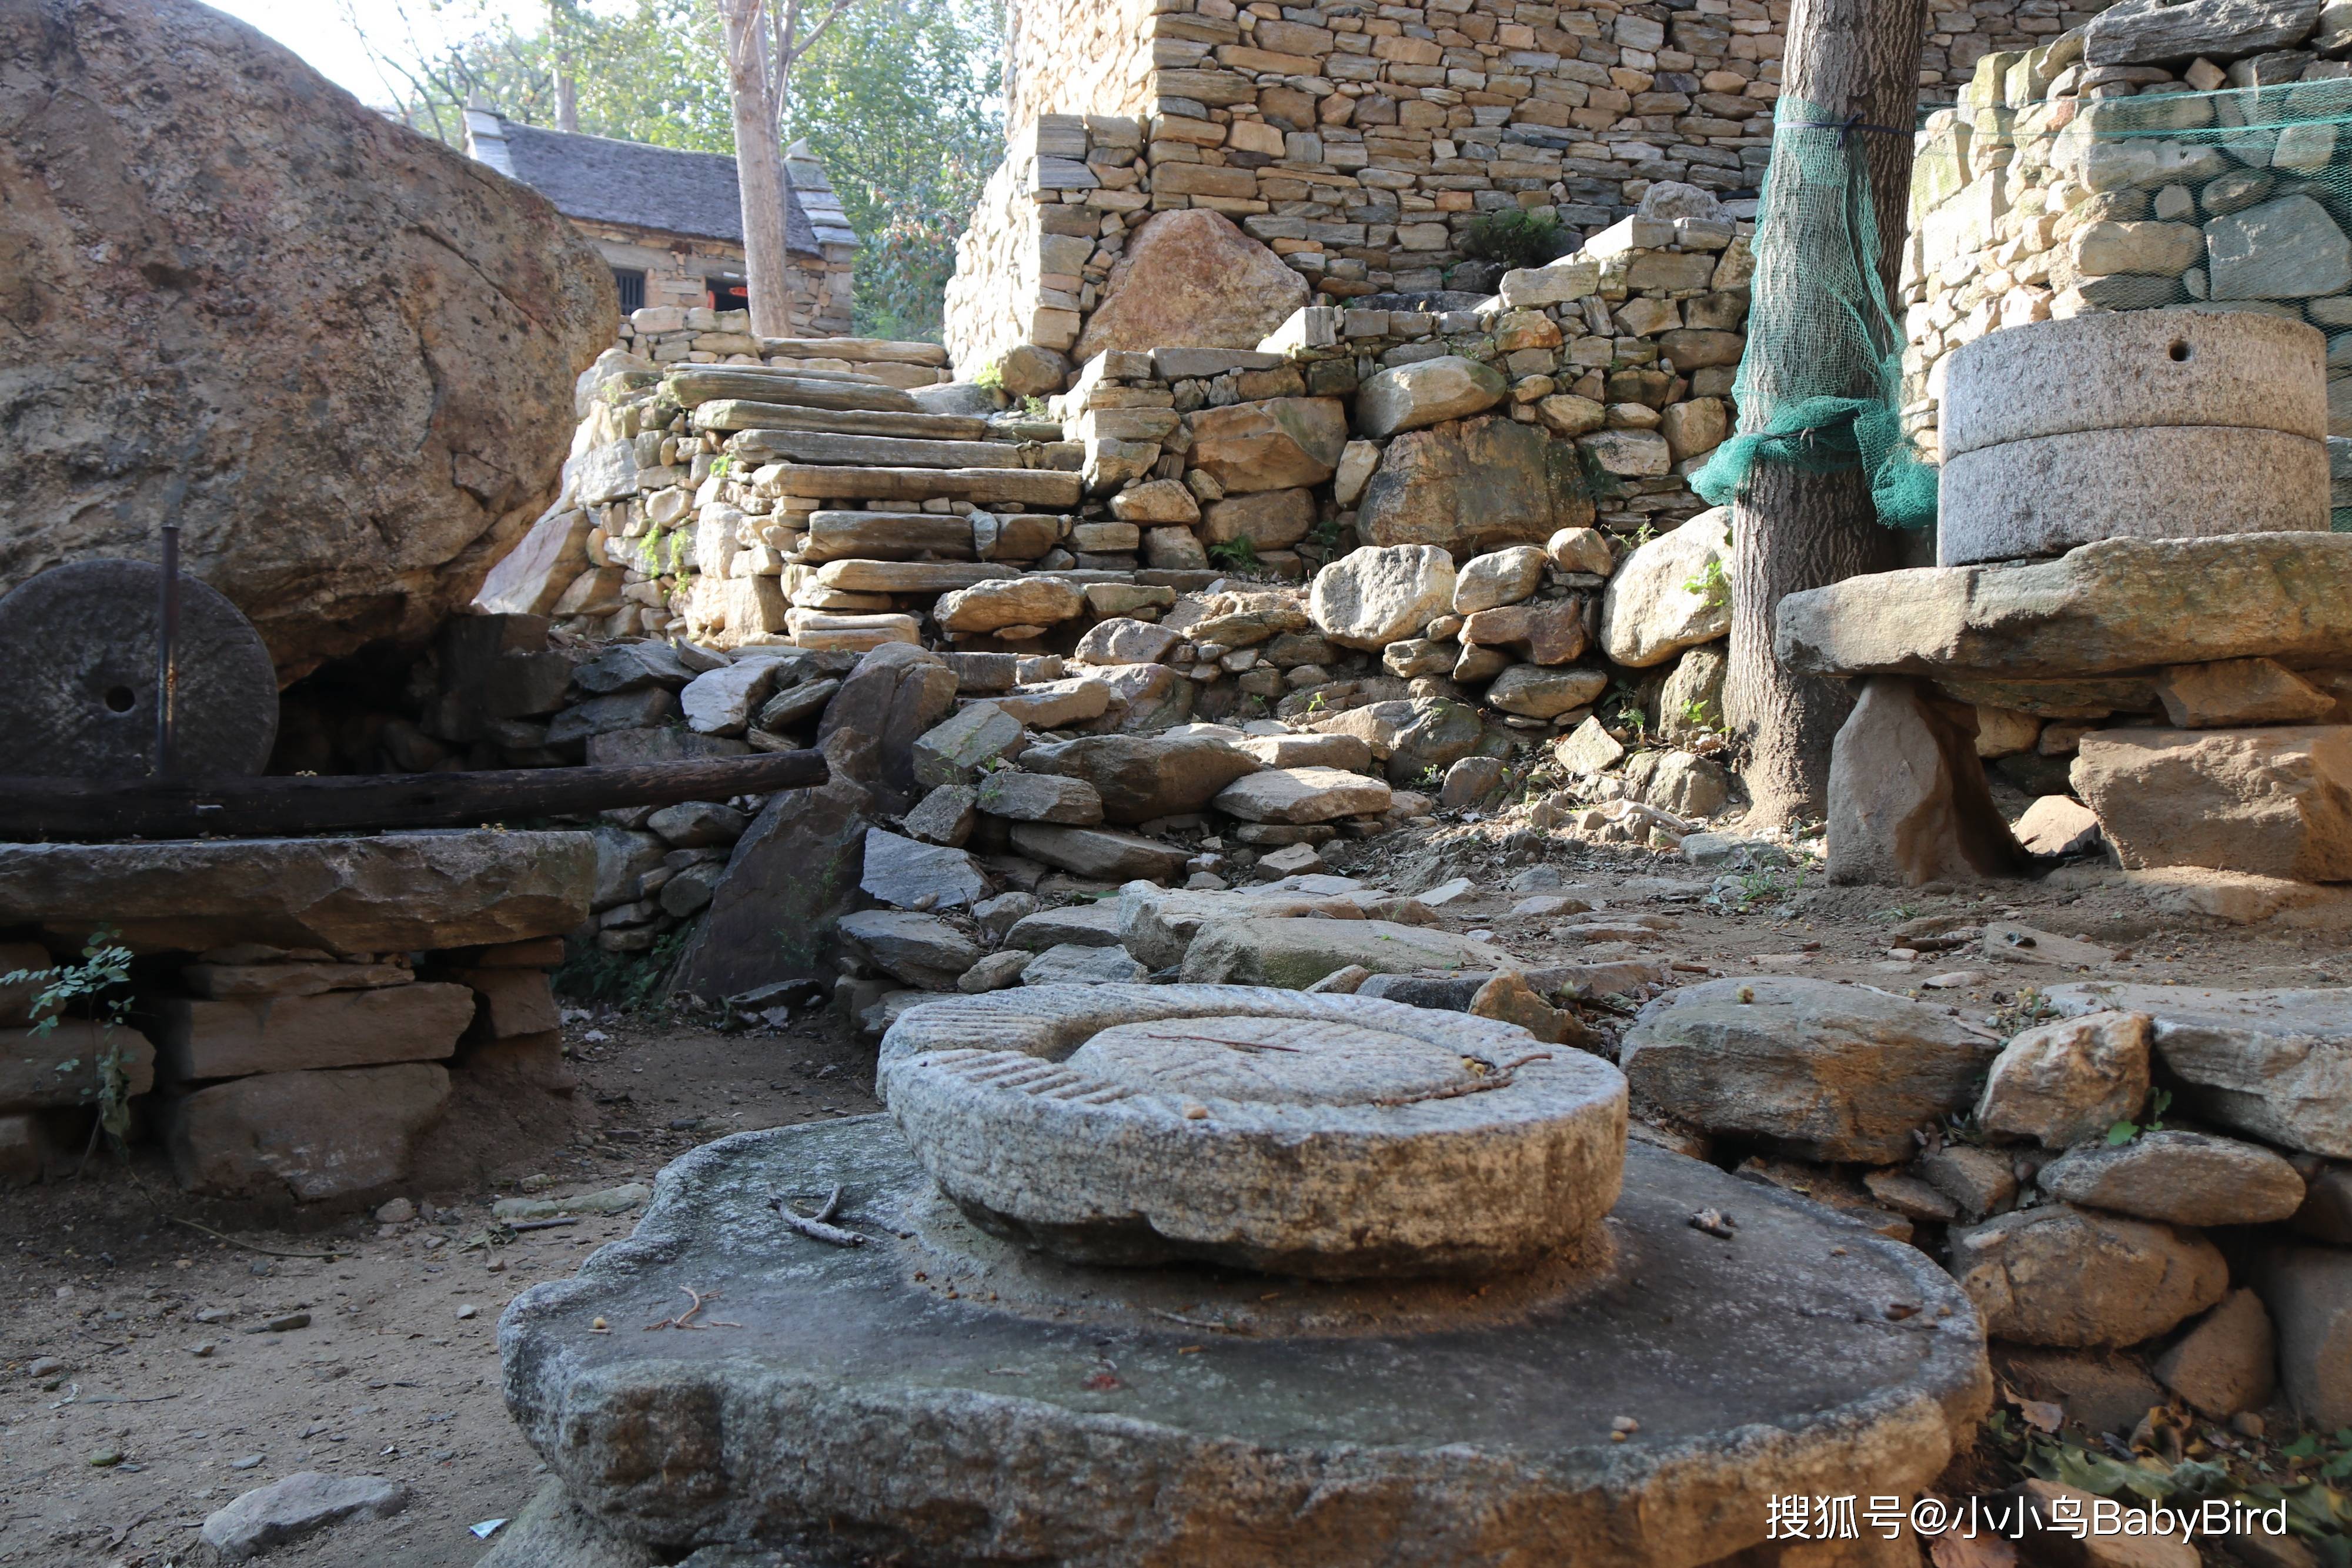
(1241, 554)
(1036, 407)
(900, 102)
(99, 988)
(2125, 1131)
(630, 981)
(1516, 237)
(989, 377)
(1711, 584)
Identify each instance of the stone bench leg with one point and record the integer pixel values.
(1908, 801)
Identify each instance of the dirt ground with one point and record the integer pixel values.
(176, 1393)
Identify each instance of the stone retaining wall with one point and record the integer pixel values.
(1362, 143)
(2028, 204)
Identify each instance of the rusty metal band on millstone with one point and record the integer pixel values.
(1328, 1135)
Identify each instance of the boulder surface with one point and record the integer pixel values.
(356, 346)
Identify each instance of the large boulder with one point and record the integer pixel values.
(1671, 594)
(2062, 1083)
(356, 346)
(896, 695)
(2181, 1178)
(1190, 279)
(1472, 484)
(1371, 597)
(1826, 1072)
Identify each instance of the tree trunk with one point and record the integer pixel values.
(753, 91)
(567, 86)
(1792, 530)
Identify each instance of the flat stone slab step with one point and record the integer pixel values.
(731, 413)
(875, 451)
(946, 1395)
(983, 486)
(860, 351)
(698, 384)
(391, 894)
(2119, 606)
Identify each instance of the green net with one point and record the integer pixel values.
(1820, 384)
(2027, 207)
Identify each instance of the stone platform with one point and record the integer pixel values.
(946, 1396)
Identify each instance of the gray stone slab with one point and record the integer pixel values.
(991, 1411)
(392, 893)
(2115, 607)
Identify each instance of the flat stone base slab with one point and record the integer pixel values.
(394, 893)
(2112, 608)
(941, 1395)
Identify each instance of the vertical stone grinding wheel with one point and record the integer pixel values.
(78, 641)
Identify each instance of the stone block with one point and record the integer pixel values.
(2116, 606)
(2308, 1290)
(305, 1137)
(1669, 594)
(1908, 802)
(393, 892)
(2075, 1278)
(204, 1039)
(1271, 444)
(1412, 397)
(2273, 801)
(2233, 692)
(63, 1067)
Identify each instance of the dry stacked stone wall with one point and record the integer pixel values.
(2027, 206)
(1362, 142)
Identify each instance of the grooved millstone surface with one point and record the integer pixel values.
(2125, 370)
(1331, 1136)
(78, 642)
(2044, 495)
(1005, 1408)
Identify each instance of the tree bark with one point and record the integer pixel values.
(754, 93)
(1792, 530)
(567, 86)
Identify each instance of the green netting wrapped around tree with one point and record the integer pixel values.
(1820, 384)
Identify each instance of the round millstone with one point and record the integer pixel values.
(2045, 496)
(79, 643)
(2130, 370)
(938, 1396)
(1330, 1136)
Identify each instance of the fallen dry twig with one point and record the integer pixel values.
(813, 1226)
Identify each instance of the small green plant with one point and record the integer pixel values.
(1035, 407)
(1432, 778)
(723, 465)
(991, 377)
(1315, 703)
(1711, 584)
(1696, 715)
(1761, 883)
(1241, 554)
(1328, 533)
(97, 985)
(1516, 237)
(2125, 1131)
(630, 981)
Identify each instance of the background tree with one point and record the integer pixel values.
(900, 101)
(1793, 528)
(764, 41)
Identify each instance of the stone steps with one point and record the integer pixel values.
(982, 486)
(698, 384)
(875, 451)
(744, 413)
(885, 536)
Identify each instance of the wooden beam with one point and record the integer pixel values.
(35, 809)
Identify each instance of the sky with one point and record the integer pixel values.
(321, 31)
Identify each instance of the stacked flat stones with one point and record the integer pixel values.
(2172, 424)
(2191, 649)
(1328, 1136)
